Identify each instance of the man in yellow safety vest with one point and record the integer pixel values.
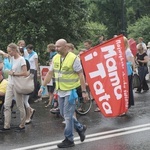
(68, 73)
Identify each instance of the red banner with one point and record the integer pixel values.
(106, 75)
(133, 48)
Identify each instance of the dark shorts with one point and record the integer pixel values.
(51, 88)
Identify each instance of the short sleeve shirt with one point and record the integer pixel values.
(141, 57)
(32, 61)
(16, 66)
(128, 53)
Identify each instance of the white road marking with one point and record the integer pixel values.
(91, 137)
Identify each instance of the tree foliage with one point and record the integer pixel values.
(41, 22)
(109, 13)
(96, 30)
(140, 28)
(117, 15)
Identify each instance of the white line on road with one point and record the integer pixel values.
(91, 137)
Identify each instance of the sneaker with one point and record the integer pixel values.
(137, 91)
(4, 129)
(28, 121)
(145, 90)
(65, 144)
(64, 122)
(38, 100)
(55, 110)
(97, 109)
(48, 105)
(122, 115)
(18, 129)
(82, 133)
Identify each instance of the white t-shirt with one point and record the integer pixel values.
(128, 53)
(32, 61)
(148, 52)
(26, 54)
(16, 66)
(76, 67)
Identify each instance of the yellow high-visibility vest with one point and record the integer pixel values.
(65, 77)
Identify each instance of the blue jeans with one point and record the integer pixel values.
(67, 112)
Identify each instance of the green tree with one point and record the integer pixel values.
(116, 15)
(139, 8)
(140, 28)
(41, 22)
(109, 13)
(95, 30)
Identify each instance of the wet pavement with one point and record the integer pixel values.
(130, 132)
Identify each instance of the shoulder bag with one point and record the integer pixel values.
(24, 85)
(136, 82)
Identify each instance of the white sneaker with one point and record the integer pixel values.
(64, 122)
(28, 121)
(38, 100)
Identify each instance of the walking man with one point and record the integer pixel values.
(68, 74)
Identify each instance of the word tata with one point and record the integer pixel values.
(111, 73)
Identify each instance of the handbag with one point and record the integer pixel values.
(136, 82)
(24, 85)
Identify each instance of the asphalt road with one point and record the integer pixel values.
(130, 132)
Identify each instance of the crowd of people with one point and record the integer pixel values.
(66, 75)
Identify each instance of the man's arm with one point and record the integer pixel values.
(82, 80)
(83, 85)
(47, 78)
(2, 94)
(78, 69)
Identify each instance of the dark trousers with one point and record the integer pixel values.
(142, 71)
(35, 92)
(131, 97)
